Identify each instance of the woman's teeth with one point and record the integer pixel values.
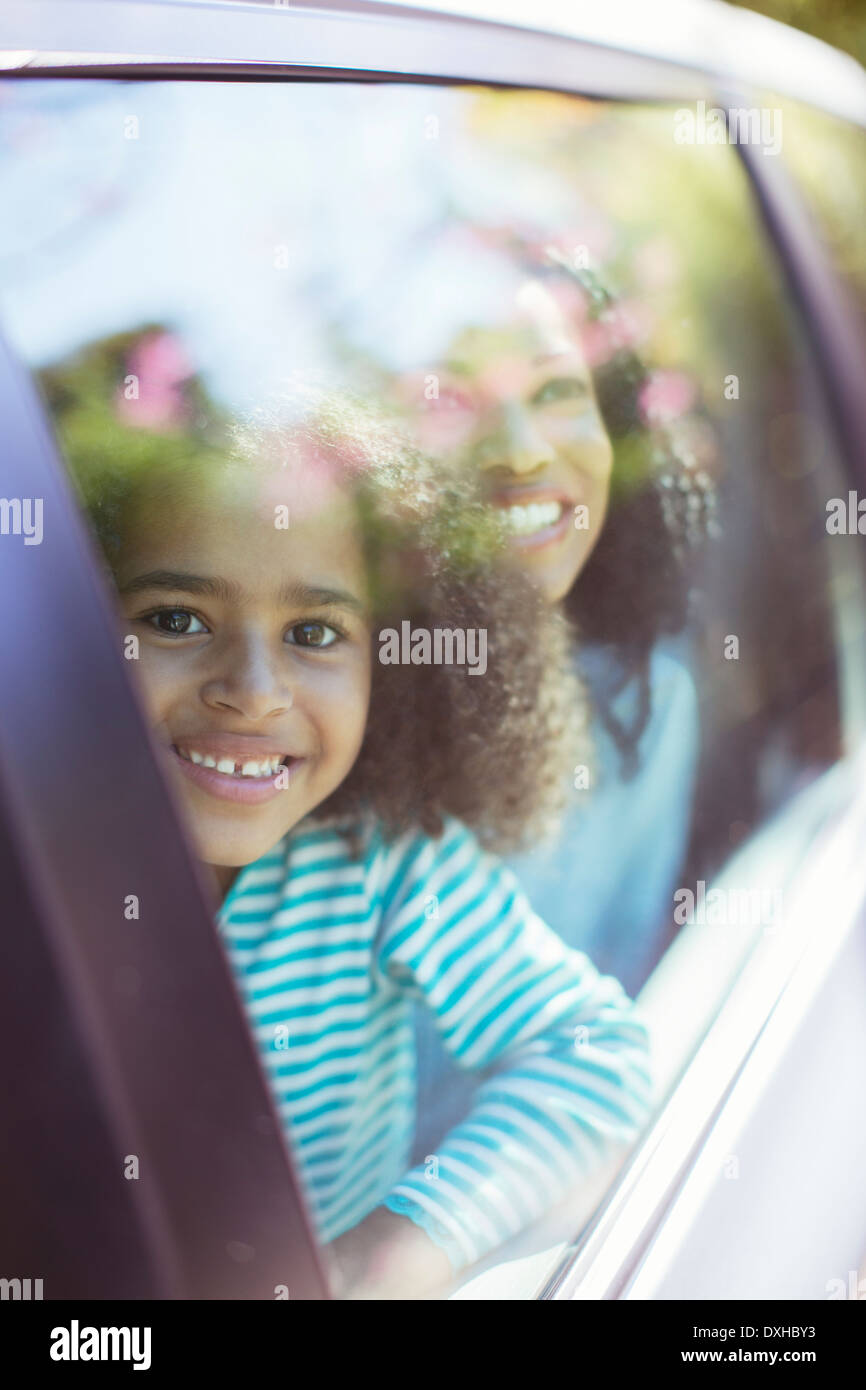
(537, 516)
(264, 767)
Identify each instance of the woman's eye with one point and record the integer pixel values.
(563, 388)
(449, 398)
(176, 622)
(312, 635)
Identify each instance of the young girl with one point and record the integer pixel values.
(323, 790)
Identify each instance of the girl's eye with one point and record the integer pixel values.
(563, 388)
(176, 622)
(312, 635)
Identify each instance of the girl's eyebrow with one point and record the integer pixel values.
(190, 583)
(310, 595)
(317, 596)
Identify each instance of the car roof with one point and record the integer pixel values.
(734, 43)
(742, 54)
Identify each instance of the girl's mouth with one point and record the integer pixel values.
(246, 780)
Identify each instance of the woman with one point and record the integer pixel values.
(546, 401)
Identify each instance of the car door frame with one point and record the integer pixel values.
(211, 41)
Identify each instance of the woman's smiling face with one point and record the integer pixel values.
(517, 403)
(254, 647)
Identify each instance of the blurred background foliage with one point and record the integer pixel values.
(828, 158)
(126, 406)
(839, 22)
(673, 231)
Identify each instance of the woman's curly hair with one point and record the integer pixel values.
(494, 750)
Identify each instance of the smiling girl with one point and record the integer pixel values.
(333, 800)
(249, 740)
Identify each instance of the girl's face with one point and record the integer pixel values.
(517, 402)
(254, 649)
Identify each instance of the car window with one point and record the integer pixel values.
(825, 156)
(570, 307)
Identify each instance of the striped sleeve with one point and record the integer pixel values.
(565, 1049)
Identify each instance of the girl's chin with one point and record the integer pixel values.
(239, 840)
(227, 859)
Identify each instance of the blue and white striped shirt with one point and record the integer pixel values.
(331, 945)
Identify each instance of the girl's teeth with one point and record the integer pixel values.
(536, 516)
(268, 767)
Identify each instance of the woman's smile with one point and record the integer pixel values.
(516, 402)
(533, 517)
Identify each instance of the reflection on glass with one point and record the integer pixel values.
(402, 417)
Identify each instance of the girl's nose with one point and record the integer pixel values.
(252, 681)
(517, 445)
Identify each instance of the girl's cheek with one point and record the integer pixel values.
(355, 693)
(338, 695)
(360, 699)
(157, 680)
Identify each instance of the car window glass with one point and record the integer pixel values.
(825, 156)
(573, 305)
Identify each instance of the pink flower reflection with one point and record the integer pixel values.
(155, 399)
(627, 326)
(666, 395)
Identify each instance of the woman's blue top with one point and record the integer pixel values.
(606, 884)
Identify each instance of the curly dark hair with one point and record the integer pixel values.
(493, 750)
(635, 586)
